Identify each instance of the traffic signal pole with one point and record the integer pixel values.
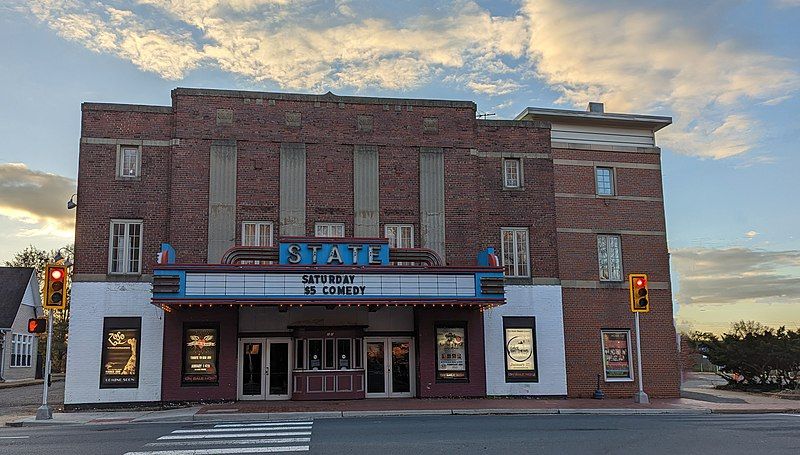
(45, 412)
(641, 396)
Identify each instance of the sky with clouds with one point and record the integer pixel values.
(727, 71)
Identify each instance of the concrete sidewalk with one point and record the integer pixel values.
(289, 410)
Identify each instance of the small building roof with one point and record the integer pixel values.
(652, 122)
(13, 283)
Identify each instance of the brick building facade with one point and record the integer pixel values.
(560, 195)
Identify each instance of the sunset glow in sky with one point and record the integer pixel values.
(727, 71)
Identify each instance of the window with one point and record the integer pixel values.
(129, 162)
(21, 350)
(512, 173)
(343, 354)
(515, 252)
(330, 354)
(200, 354)
(399, 235)
(329, 230)
(256, 233)
(604, 178)
(315, 354)
(451, 351)
(120, 353)
(357, 353)
(519, 337)
(609, 257)
(299, 354)
(616, 355)
(125, 245)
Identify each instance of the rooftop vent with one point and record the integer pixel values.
(596, 107)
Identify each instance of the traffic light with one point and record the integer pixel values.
(37, 325)
(640, 299)
(55, 287)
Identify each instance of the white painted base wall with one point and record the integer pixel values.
(91, 302)
(543, 303)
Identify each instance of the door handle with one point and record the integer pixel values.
(266, 370)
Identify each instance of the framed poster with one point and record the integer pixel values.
(119, 365)
(617, 355)
(200, 354)
(519, 339)
(451, 351)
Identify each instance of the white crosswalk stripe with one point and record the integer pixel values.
(234, 438)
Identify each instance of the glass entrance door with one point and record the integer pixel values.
(389, 367)
(264, 368)
(251, 369)
(277, 372)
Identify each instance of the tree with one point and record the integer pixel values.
(754, 355)
(37, 259)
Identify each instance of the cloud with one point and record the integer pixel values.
(674, 58)
(709, 276)
(36, 199)
(120, 32)
(292, 43)
(649, 56)
(750, 234)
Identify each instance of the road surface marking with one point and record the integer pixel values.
(227, 450)
(236, 441)
(222, 430)
(14, 437)
(262, 424)
(234, 435)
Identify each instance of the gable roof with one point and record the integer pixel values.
(13, 283)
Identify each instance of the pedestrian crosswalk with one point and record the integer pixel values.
(234, 438)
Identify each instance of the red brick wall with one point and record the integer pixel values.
(171, 388)
(587, 311)
(533, 206)
(102, 197)
(427, 384)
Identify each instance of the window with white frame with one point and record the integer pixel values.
(329, 229)
(399, 235)
(604, 179)
(256, 233)
(609, 257)
(125, 247)
(512, 173)
(129, 162)
(516, 261)
(21, 350)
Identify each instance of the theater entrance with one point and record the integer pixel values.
(264, 372)
(389, 367)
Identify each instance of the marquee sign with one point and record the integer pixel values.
(357, 253)
(347, 271)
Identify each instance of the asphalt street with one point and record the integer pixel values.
(556, 434)
(18, 402)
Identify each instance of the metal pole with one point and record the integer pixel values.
(45, 412)
(2, 353)
(640, 396)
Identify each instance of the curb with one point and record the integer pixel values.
(240, 417)
(625, 411)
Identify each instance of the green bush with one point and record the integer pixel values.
(754, 355)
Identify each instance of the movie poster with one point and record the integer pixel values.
(200, 356)
(616, 355)
(520, 354)
(120, 356)
(451, 353)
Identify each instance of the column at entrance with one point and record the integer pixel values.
(264, 372)
(390, 367)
